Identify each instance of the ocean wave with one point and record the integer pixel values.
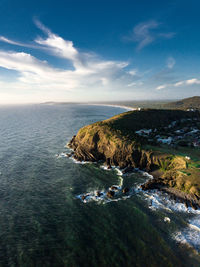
(62, 155)
(67, 155)
(156, 200)
(78, 161)
(190, 235)
(101, 196)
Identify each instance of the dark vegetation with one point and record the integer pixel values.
(129, 122)
(191, 103)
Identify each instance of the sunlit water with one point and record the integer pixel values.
(45, 222)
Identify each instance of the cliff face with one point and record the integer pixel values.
(98, 142)
(95, 142)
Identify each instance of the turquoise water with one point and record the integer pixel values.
(43, 223)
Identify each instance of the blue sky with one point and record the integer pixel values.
(97, 50)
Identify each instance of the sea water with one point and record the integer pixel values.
(45, 222)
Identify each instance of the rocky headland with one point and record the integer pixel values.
(129, 140)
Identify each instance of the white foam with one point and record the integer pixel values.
(92, 196)
(103, 198)
(79, 162)
(146, 174)
(119, 172)
(62, 155)
(167, 219)
(190, 235)
(115, 188)
(67, 146)
(105, 168)
(162, 200)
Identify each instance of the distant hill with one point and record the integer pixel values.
(184, 104)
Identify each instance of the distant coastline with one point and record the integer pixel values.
(110, 105)
(128, 108)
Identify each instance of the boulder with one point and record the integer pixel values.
(125, 190)
(110, 194)
(114, 187)
(83, 197)
(98, 194)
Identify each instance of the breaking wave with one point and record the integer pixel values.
(155, 199)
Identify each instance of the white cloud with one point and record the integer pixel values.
(171, 62)
(57, 45)
(131, 84)
(187, 82)
(133, 72)
(160, 87)
(89, 72)
(6, 40)
(193, 81)
(146, 33)
(179, 83)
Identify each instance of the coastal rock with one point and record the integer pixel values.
(98, 194)
(115, 188)
(83, 197)
(128, 169)
(125, 190)
(153, 184)
(110, 194)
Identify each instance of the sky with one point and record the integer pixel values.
(98, 50)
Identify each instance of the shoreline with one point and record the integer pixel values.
(153, 183)
(110, 105)
(167, 199)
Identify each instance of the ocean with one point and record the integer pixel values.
(45, 222)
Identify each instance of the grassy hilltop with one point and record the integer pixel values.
(184, 104)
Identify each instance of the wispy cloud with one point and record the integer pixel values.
(163, 86)
(193, 81)
(170, 62)
(148, 32)
(178, 83)
(133, 72)
(6, 40)
(89, 73)
(12, 42)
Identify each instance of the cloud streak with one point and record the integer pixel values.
(170, 62)
(146, 33)
(193, 81)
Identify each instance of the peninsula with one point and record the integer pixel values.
(165, 143)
